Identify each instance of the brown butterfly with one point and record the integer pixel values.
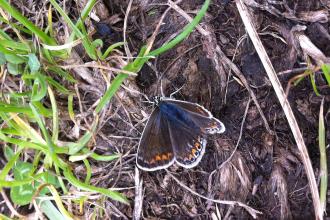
(175, 132)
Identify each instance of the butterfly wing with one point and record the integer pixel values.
(188, 143)
(201, 117)
(155, 150)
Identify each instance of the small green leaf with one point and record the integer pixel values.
(22, 195)
(14, 69)
(97, 43)
(51, 179)
(12, 58)
(34, 63)
(2, 59)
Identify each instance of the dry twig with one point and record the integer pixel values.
(138, 201)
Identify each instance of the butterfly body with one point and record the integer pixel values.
(175, 131)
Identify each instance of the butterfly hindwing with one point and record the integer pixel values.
(155, 149)
(188, 144)
(201, 117)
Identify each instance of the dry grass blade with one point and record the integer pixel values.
(94, 65)
(128, 52)
(248, 23)
(10, 206)
(323, 161)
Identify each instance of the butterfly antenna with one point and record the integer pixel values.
(175, 92)
(148, 101)
(161, 88)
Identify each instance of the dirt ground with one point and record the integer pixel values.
(265, 170)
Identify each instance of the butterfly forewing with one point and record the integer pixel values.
(155, 150)
(201, 117)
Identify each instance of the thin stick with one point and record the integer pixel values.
(138, 201)
(10, 206)
(128, 52)
(239, 138)
(250, 210)
(248, 23)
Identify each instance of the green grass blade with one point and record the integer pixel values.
(5, 183)
(112, 194)
(9, 165)
(57, 85)
(37, 94)
(49, 209)
(84, 14)
(15, 109)
(88, 171)
(110, 49)
(59, 202)
(326, 72)
(312, 77)
(115, 85)
(66, 75)
(22, 143)
(70, 107)
(323, 161)
(55, 130)
(43, 110)
(50, 144)
(20, 48)
(25, 126)
(18, 27)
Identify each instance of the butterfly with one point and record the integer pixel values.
(175, 132)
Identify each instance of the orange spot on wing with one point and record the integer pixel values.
(214, 125)
(157, 158)
(164, 157)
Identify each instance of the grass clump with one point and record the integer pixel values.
(37, 169)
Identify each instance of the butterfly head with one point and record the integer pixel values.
(156, 100)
